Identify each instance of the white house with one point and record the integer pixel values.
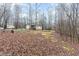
(32, 27)
(38, 27)
(28, 27)
(1, 28)
(10, 26)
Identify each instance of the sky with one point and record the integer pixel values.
(42, 7)
(39, 1)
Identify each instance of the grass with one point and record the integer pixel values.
(20, 30)
(67, 47)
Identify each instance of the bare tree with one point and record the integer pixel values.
(30, 14)
(6, 14)
(42, 21)
(68, 20)
(50, 19)
(36, 13)
(17, 15)
(1, 13)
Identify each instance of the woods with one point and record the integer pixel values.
(13, 14)
(64, 20)
(67, 20)
(39, 29)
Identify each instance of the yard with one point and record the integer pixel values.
(40, 43)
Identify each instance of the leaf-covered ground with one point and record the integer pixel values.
(35, 43)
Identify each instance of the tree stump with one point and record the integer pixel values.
(12, 31)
